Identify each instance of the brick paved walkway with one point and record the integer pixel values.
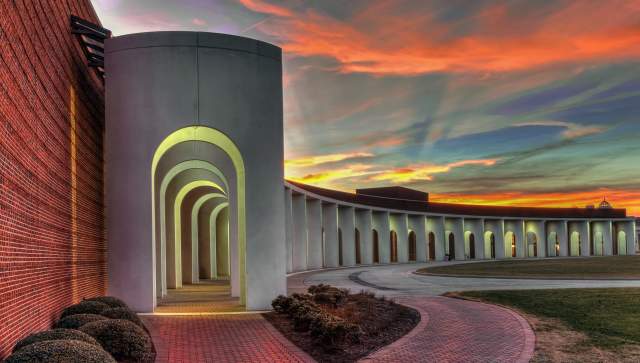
(220, 338)
(454, 330)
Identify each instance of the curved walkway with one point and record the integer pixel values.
(454, 330)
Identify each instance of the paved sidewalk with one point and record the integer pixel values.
(454, 330)
(220, 339)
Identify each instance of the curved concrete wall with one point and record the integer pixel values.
(161, 82)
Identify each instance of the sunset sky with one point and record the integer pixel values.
(509, 103)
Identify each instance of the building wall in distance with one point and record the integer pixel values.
(52, 244)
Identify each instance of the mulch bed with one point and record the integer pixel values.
(381, 320)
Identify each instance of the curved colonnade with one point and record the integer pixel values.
(327, 228)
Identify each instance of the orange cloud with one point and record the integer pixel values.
(425, 172)
(629, 199)
(266, 8)
(349, 171)
(323, 159)
(383, 41)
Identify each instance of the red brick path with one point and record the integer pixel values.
(220, 338)
(454, 330)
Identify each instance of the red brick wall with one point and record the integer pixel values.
(52, 245)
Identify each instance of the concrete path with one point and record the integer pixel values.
(454, 330)
(221, 339)
(398, 280)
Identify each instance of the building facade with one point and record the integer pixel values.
(191, 184)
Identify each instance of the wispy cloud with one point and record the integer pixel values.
(572, 130)
(323, 159)
(425, 172)
(327, 176)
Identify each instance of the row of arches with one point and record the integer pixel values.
(510, 238)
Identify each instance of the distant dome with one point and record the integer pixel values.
(605, 205)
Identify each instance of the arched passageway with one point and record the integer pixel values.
(412, 246)
(357, 241)
(510, 244)
(452, 246)
(470, 245)
(393, 246)
(532, 244)
(553, 244)
(198, 224)
(376, 246)
(432, 247)
(489, 245)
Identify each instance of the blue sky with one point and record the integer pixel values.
(510, 103)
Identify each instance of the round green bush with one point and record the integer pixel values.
(123, 313)
(85, 307)
(55, 334)
(78, 320)
(113, 302)
(123, 339)
(67, 351)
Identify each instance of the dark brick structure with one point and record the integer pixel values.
(52, 243)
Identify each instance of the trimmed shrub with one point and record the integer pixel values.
(334, 331)
(123, 339)
(282, 303)
(85, 307)
(113, 302)
(78, 320)
(123, 313)
(55, 334)
(68, 351)
(328, 295)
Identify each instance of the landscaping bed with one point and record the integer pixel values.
(578, 325)
(333, 325)
(609, 267)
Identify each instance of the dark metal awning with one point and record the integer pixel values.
(91, 38)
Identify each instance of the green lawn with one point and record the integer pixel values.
(609, 317)
(612, 267)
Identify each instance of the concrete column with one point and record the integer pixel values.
(222, 243)
(346, 222)
(436, 225)
(585, 237)
(330, 225)
(456, 226)
(475, 226)
(299, 232)
(629, 228)
(537, 228)
(399, 225)
(288, 228)
(418, 225)
(314, 234)
(381, 224)
(363, 223)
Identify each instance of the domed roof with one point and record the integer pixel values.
(605, 205)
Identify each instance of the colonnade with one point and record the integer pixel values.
(322, 232)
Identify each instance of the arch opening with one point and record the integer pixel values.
(451, 252)
(376, 247)
(413, 246)
(489, 245)
(357, 247)
(431, 254)
(393, 246)
(340, 260)
(532, 244)
(574, 244)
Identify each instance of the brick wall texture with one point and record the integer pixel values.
(52, 244)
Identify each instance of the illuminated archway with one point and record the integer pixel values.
(510, 245)
(532, 244)
(219, 139)
(413, 246)
(553, 244)
(432, 246)
(621, 243)
(489, 245)
(393, 246)
(574, 243)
